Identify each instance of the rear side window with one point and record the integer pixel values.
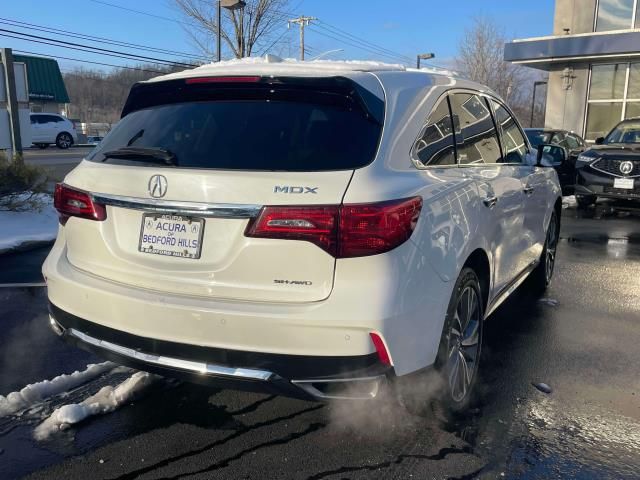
(476, 136)
(514, 144)
(274, 127)
(435, 146)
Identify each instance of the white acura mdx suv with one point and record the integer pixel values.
(314, 228)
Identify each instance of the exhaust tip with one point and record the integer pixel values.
(365, 388)
(55, 326)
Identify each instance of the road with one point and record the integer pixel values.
(56, 162)
(581, 339)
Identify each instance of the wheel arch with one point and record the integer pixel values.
(478, 261)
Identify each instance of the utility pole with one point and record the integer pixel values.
(6, 57)
(302, 21)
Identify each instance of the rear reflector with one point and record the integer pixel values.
(74, 203)
(344, 231)
(381, 349)
(190, 81)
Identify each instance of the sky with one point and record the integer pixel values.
(403, 27)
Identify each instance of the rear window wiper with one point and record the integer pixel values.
(145, 154)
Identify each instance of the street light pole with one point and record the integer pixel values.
(533, 99)
(423, 56)
(219, 28)
(229, 5)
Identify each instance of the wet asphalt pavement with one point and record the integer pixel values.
(581, 339)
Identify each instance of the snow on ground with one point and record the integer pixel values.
(569, 201)
(107, 400)
(37, 392)
(17, 228)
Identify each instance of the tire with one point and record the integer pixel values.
(585, 201)
(64, 140)
(541, 276)
(456, 354)
(42, 146)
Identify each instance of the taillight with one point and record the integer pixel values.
(190, 81)
(74, 203)
(344, 231)
(381, 349)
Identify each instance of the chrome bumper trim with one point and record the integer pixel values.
(152, 205)
(308, 386)
(188, 365)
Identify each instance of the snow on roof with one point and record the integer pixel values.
(271, 64)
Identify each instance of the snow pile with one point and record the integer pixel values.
(30, 226)
(568, 202)
(37, 392)
(272, 64)
(107, 400)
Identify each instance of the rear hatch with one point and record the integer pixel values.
(193, 163)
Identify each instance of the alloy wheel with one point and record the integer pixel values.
(464, 344)
(64, 141)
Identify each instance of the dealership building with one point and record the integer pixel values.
(593, 60)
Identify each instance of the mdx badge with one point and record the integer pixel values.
(289, 189)
(158, 186)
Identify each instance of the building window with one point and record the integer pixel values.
(614, 94)
(615, 15)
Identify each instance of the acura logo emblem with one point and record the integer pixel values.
(626, 167)
(157, 186)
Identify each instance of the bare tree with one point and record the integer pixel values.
(480, 58)
(243, 30)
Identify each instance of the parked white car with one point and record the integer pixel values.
(50, 128)
(317, 228)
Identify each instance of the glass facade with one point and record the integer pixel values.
(616, 15)
(614, 94)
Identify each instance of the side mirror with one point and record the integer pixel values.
(599, 140)
(550, 155)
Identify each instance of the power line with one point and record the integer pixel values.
(24, 52)
(357, 46)
(347, 38)
(57, 31)
(77, 46)
(140, 12)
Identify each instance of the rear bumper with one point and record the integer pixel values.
(309, 377)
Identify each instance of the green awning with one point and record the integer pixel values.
(45, 80)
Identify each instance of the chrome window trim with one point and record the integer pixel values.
(170, 362)
(420, 166)
(152, 205)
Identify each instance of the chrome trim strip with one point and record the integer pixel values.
(151, 205)
(502, 295)
(189, 365)
(307, 386)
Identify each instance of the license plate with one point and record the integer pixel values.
(172, 235)
(626, 183)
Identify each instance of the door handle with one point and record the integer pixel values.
(528, 190)
(490, 201)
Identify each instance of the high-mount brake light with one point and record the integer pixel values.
(74, 203)
(344, 231)
(190, 81)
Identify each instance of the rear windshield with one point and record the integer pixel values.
(254, 127)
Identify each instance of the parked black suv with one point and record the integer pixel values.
(572, 143)
(611, 168)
